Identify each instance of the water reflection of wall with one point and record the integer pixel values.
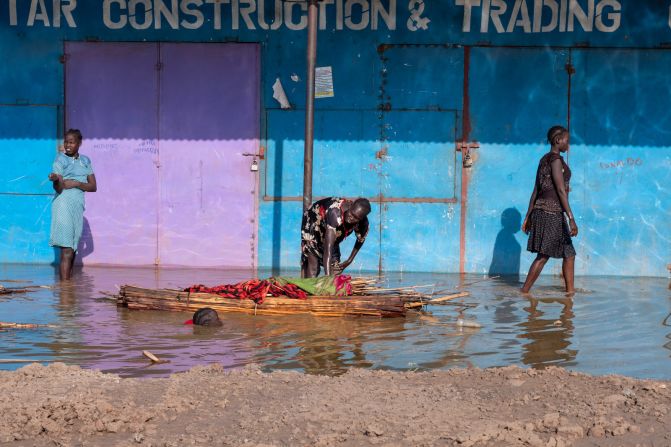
(548, 338)
(115, 337)
(315, 345)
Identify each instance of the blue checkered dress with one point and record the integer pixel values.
(67, 209)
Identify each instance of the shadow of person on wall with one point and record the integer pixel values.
(507, 251)
(84, 248)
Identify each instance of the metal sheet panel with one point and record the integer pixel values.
(344, 153)
(418, 154)
(421, 97)
(621, 160)
(31, 72)
(24, 229)
(112, 98)
(422, 77)
(28, 149)
(209, 118)
(420, 237)
(516, 95)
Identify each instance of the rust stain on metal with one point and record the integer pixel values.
(465, 172)
(383, 47)
(466, 146)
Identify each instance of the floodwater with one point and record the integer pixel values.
(614, 325)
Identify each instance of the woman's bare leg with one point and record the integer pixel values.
(534, 272)
(67, 259)
(568, 270)
(310, 268)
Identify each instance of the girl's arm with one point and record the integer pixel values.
(558, 180)
(89, 186)
(57, 181)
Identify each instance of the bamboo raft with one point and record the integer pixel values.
(374, 305)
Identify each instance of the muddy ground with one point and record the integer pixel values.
(66, 405)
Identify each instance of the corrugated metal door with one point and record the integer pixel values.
(111, 95)
(209, 118)
(166, 126)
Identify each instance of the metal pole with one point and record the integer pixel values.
(311, 58)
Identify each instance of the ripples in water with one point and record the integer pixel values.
(611, 326)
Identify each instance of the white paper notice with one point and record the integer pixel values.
(279, 95)
(324, 82)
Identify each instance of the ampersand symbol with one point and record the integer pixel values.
(416, 21)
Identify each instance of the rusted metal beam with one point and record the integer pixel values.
(311, 58)
(465, 171)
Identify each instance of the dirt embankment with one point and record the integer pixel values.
(64, 405)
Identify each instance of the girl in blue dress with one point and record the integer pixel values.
(72, 176)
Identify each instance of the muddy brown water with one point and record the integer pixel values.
(613, 325)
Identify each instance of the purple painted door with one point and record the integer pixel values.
(209, 117)
(166, 126)
(111, 96)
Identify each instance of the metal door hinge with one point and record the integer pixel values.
(159, 66)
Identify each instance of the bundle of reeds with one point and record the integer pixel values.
(370, 297)
(413, 296)
(374, 286)
(378, 305)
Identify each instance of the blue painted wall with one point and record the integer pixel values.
(390, 130)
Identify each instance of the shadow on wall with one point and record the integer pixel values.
(85, 246)
(507, 251)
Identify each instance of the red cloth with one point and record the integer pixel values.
(254, 289)
(188, 322)
(343, 282)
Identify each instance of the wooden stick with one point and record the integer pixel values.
(10, 290)
(23, 361)
(8, 325)
(437, 300)
(152, 357)
(478, 281)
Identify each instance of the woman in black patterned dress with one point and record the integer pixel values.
(325, 225)
(549, 233)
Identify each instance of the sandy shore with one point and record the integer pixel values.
(66, 405)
